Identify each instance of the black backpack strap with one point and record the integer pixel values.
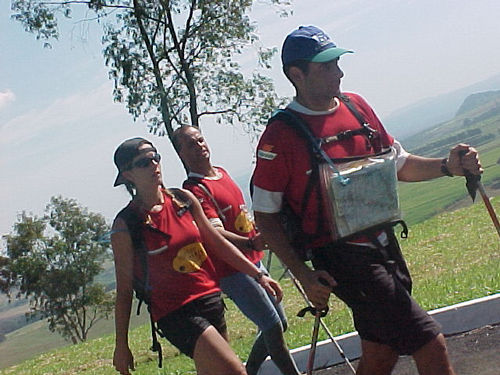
(314, 143)
(291, 119)
(365, 125)
(156, 346)
(197, 182)
(318, 156)
(181, 200)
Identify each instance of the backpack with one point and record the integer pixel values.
(142, 289)
(292, 221)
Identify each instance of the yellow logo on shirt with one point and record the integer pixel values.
(190, 258)
(243, 223)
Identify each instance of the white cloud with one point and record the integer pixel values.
(60, 116)
(6, 97)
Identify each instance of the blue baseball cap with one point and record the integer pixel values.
(311, 44)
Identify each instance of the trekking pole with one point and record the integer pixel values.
(314, 340)
(473, 183)
(269, 259)
(323, 325)
(489, 206)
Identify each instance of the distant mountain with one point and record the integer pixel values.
(476, 122)
(427, 113)
(476, 100)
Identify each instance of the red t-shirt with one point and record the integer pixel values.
(236, 218)
(180, 270)
(284, 160)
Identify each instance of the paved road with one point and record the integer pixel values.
(473, 353)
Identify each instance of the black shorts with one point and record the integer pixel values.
(183, 327)
(376, 286)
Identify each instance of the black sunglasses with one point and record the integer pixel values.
(145, 162)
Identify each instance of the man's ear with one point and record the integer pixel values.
(295, 74)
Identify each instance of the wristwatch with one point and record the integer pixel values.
(444, 168)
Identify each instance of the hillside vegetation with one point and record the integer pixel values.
(478, 124)
(462, 241)
(453, 257)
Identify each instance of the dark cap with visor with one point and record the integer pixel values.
(125, 154)
(309, 43)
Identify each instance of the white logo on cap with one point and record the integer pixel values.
(322, 39)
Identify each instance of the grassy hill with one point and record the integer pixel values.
(453, 257)
(478, 124)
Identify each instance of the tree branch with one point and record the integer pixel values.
(156, 70)
(217, 112)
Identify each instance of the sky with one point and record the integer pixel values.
(59, 126)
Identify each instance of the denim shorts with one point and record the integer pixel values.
(253, 300)
(376, 286)
(183, 327)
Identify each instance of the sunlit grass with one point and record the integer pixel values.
(453, 258)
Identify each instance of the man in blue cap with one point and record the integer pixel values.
(366, 270)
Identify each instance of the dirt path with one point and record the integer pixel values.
(472, 353)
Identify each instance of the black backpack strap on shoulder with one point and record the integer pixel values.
(313, 144)
(318, 156)
(197, 182)
(368, 131)
(300, 125)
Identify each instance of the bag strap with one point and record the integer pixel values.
(197, 182)
(295, 121)
(370, 132)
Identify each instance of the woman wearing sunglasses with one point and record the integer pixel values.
(179, 241)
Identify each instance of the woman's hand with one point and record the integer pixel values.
(123, 360)
(272, 287)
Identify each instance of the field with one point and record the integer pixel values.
(422, 200)
(453, 257)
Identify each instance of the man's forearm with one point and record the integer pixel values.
(418, 168)
(271, 229)
(461, 158)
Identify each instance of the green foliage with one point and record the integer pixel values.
(173, 62)
(52, 261)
